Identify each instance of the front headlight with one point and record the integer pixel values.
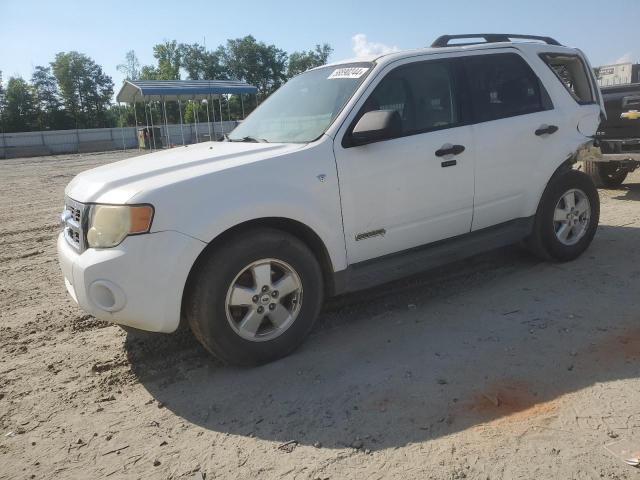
(110, 224)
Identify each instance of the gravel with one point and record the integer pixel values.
(485, 398)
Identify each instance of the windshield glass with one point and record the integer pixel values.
(303, 108)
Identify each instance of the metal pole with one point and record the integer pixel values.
(4, 140)
(242, 103)
(181, 127)
(195, 118)
(146, 115)
(228, 97)
(135, 119)
(166, 123)
(153, 133)
(221, 126)
(213, 115)
(124, 147)
(209, 122)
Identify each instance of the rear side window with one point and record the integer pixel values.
(503, 85)
(572, 72)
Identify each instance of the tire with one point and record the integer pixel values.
(216, 312)
(605, 174)
(563, 238)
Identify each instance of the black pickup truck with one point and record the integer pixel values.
(618, 137)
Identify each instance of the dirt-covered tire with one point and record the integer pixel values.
(567, 217)
(605, 174)
(254, 298)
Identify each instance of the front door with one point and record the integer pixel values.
(408, 191)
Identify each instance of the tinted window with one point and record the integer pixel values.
(572, 72)
(422, 93)
(502, 85)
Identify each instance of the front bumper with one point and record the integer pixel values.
(620, 149)
(139, 283)
(612, 151)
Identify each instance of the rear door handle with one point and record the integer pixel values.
(449, 149)
(546, 130)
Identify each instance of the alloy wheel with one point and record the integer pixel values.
(571, 217)
(264, 300)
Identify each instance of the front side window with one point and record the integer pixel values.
(571, 71)
(501, 86)
(303, 108)
(422, 93)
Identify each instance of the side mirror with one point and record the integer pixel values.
(375, 126)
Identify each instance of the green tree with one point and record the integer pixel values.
(255, 62)
(49, 113)
(189, 111)
(86, 91)
(201, 64)
(19, 112)
(302, 61)
(168, 56)
(131, 66)
(149, 72)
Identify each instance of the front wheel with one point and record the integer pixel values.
(567, 217)
(255, 298)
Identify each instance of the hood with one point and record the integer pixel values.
(119, 182)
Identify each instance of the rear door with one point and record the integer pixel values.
(514, 126)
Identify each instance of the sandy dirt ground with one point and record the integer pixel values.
(500, 367)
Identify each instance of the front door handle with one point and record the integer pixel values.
(448, 149)
(546, 130)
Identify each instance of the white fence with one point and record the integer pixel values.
(54, 142)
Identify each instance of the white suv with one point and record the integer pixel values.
(350, 175)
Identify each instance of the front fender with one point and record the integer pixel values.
(301, 185)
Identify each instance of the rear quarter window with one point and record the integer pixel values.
(572, 73)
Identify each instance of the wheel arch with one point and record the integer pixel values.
(564, 167)
(302, 232)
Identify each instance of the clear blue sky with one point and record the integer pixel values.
(31, 32)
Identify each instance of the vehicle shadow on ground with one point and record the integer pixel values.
(501, 336)
(628, 191)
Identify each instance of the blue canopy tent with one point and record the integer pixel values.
(204, 91)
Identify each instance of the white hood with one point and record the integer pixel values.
(121, 181)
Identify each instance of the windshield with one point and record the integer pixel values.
(303, 108)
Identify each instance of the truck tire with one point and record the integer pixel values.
(254, 298)
(567, 217)
(605, 174)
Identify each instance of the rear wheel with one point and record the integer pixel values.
(255, 298)
(606, 174)
(567, 217)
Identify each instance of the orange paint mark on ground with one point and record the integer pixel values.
(620, 347)
(508, 400)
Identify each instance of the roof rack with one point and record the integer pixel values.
(443, 41)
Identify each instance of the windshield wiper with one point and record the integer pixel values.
(249, 138)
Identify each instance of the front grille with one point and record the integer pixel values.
(74, 219)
